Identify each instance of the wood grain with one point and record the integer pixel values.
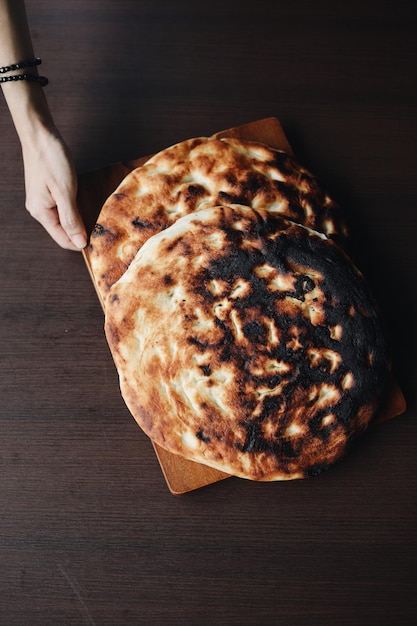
(90, 535)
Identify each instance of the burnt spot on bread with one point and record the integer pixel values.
(254, 441)
(283, 162)
(184, 247)
(206, 369)
(168, 280)
(304, 284)
(200, 435)
(313, 256)
(271, 405)
(198, 343)
(284, 449)
(141, 224)
(254, 331)
(223, 197)
(119, 195)
(98, 230)
(193, 192)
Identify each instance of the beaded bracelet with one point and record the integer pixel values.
(42, 80)
(20, 65)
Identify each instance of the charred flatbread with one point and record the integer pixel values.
(198, 173)
(248, 343)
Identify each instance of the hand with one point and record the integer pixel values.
(51, 188)
(51, 181)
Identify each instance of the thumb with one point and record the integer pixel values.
(71, 221)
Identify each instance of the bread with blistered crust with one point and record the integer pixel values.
(248, 343)
(199, 173)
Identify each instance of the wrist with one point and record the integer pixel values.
(29, 109)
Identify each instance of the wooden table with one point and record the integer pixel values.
(89, 532)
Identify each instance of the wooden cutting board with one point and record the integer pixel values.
(180, 474)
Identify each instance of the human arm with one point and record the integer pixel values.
(50, 177)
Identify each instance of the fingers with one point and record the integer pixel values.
(62, 222)
(57, 212)
(51, 187)
(49, 219)
(71, 222)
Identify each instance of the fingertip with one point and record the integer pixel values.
(79, 241)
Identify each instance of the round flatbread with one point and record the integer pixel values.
(199, 173)
(248, 343)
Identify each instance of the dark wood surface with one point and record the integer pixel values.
(89, 533)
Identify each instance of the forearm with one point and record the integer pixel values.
(50, 176)
(26, 100)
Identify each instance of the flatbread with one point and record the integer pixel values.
(248, 343)
(195, 174)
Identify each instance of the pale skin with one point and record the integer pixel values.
(50, 177)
